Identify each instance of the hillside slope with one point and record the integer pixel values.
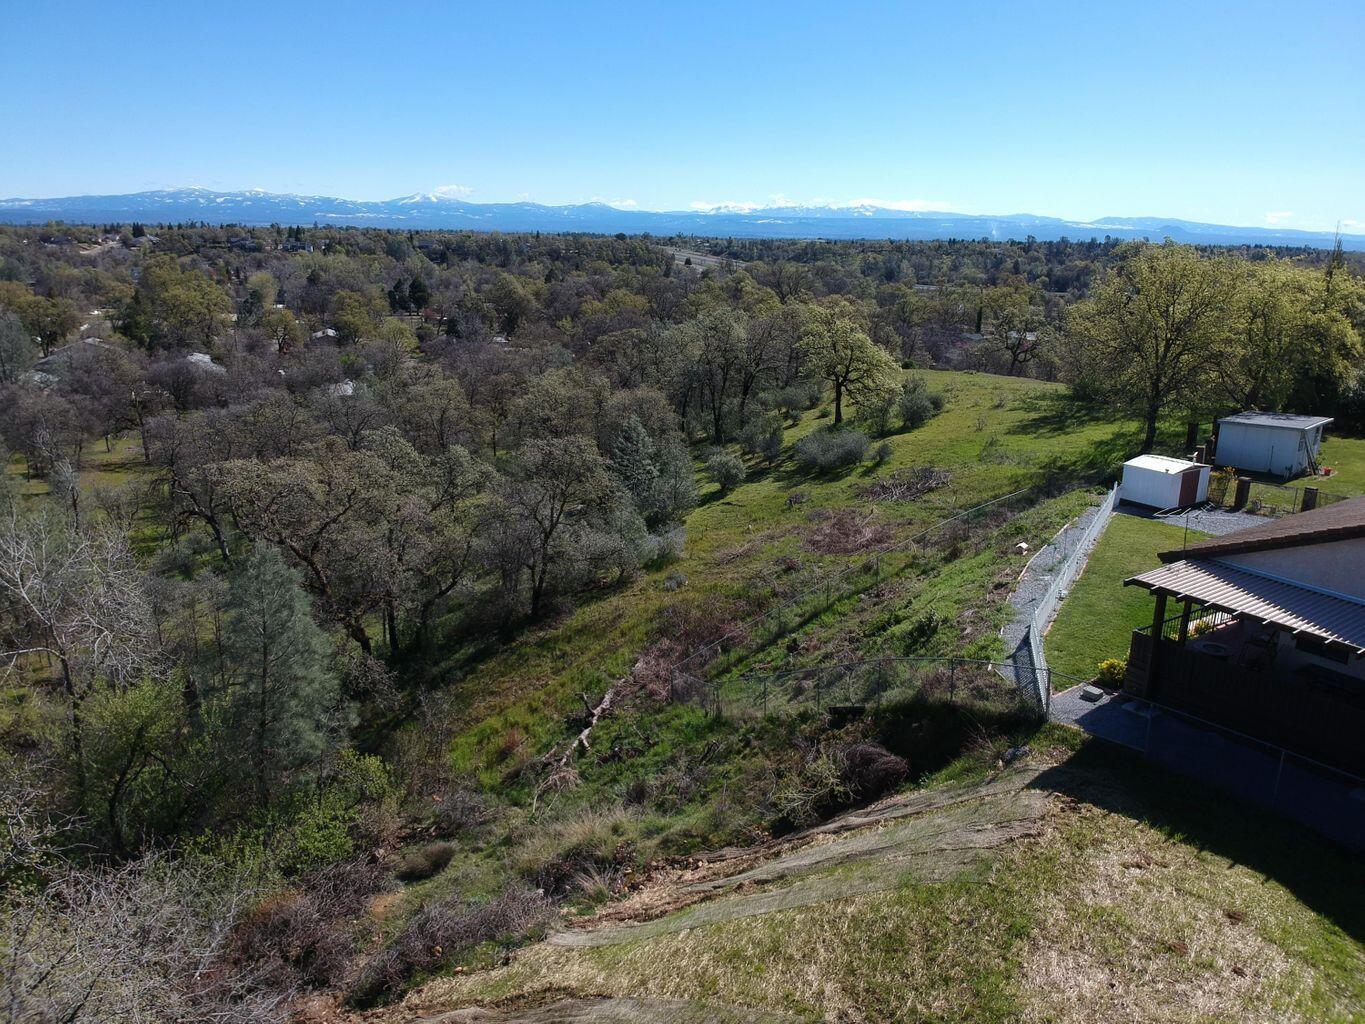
(1067, 887)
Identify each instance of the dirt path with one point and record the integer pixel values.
(610, 1011)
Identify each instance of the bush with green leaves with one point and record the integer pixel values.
(726, 469)
(1110, 672)
(824, 451)
(917, 405)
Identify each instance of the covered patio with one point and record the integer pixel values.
(1256, 654)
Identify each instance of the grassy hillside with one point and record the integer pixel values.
(1124, 893)
(995, 435)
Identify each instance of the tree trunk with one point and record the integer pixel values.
(356, 631)
(391, 624)
(838, 402)
(1149, 434)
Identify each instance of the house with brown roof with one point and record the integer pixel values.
(1263, 631)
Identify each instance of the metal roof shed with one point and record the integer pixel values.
(1282, 444)
(1159, 481)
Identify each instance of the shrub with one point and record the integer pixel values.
(828, 450)
(758, 431)
(915, 409)
(558, 854)
(302, 938)
(1111, 672)
(459, 810)
(417, 865)
(808, 794)
(665, 548)
(917, 404)
(289, 942)
(869, 770)
(726, 469)
(442, 932)
(875, 413)
(792, 400)
(881, 453)
(770, 450)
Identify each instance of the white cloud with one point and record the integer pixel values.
(452, 191)
(1278, 216)
(1348, 223)
(620, 204)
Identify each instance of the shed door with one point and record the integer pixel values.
(1189, 488)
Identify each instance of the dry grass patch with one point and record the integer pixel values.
(1101, 915)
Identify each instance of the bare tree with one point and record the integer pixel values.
(75, 598)
(139, 944)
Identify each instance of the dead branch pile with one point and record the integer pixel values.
(907, 484)
(848, 532)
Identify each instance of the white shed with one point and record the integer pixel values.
(1279, 443)
(1158, 481)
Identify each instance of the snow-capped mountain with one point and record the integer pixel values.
(860, 219)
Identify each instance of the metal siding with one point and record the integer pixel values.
(1260, 449)
(1149, 487)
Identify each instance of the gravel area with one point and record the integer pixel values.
(1217, 521)
(1038, 575)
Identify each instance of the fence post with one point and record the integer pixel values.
(765, 695)
(952, 679)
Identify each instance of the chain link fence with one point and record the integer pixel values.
(1030, 662)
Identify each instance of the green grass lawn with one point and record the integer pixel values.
(1100, 612)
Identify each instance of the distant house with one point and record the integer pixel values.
(1281, 444)
(59, 358)
(1160, 482)
(1263, 631)
(203, 361)
(326, 334)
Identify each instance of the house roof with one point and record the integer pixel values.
(1275, 602)
(1287, 420)
(1161, 464)
(1342, 520)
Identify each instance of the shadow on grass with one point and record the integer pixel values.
(1060, 414)
(1317, 871)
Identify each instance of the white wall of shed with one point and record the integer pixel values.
(1260, 449)
(1150, 487)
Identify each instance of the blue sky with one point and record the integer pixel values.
(1243, 113)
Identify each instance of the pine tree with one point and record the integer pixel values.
(632, 456)
(271, 692)
(419, 295)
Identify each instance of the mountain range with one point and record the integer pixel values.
(434, 210)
